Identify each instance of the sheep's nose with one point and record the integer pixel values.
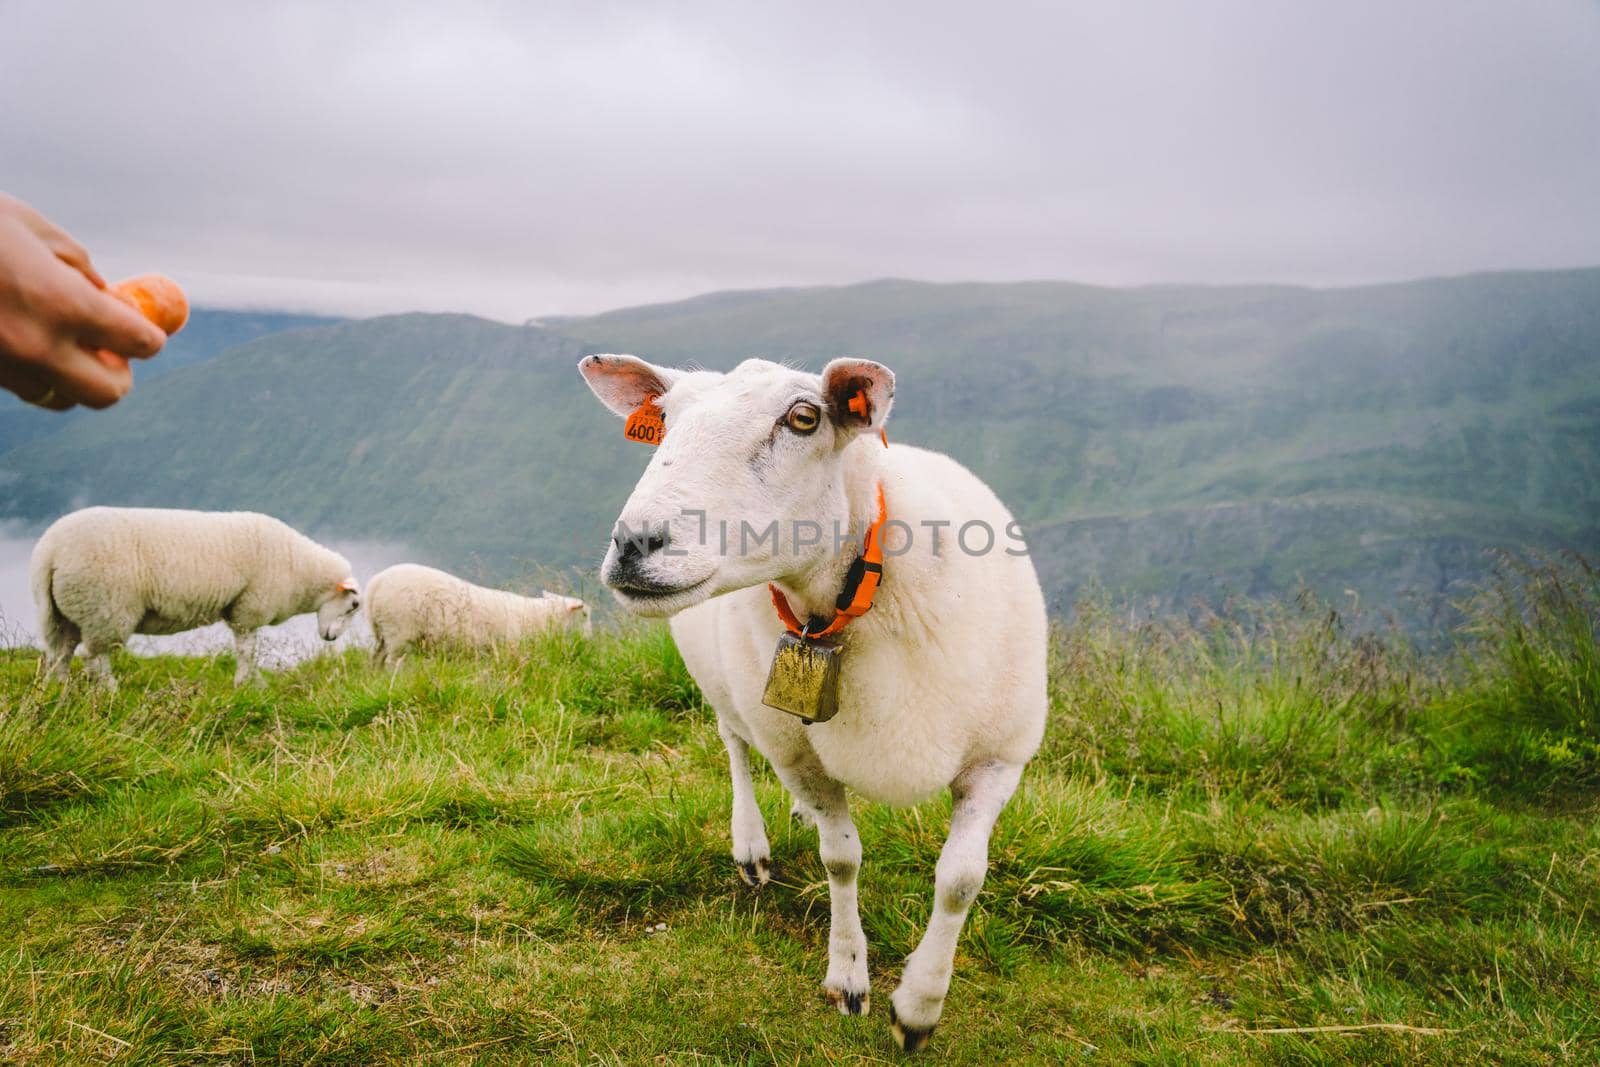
(634, 547)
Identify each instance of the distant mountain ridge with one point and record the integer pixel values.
(208, 333)
(1170, 443)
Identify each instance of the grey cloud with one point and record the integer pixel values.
(523, 159)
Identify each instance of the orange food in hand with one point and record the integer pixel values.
(157, 298)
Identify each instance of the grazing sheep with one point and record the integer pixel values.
(410, 605)
(942, 682)
(102, 574)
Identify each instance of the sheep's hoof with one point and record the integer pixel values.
(756, 872)
(850, 1001)
(909, 1037)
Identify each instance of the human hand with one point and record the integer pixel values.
(64, 340)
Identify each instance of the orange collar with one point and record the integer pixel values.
(860, 584)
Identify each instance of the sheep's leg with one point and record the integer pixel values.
(97, 663)
(979, 795)
(798, 812)
(750, 849)
(392, 656)
(839, 845)
(244, 654)
(60, 642)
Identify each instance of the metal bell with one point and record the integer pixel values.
(804, 679)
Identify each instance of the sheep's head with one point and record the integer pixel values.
(748, 484)
(336, 610)
(573, 614)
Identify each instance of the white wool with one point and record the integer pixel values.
(102, 574)
(409, 605)
(946, 670)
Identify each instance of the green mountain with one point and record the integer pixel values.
(207, 334)
(1167, 443)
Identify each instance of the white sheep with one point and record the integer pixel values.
(102, 574)
(942, 681)
(411, 605)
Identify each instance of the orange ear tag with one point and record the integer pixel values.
(646, 425)
(860, 405)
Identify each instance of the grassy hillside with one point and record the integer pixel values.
(1169, 443)
(207, 334)
(1176, 441)
(1257, 839)
(460, 436)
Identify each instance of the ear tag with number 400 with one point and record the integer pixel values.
(804, 679)
(646, 425)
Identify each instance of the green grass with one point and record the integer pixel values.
(1258, 821)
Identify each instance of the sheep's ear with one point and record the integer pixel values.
(574, 605)
(623, 383)
(860, 393)
(349, 586)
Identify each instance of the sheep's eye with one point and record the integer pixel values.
(803, 418)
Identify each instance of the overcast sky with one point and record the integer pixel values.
(525, 159)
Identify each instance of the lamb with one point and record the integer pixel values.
(410, 605)
(940, 684)
(102, 574)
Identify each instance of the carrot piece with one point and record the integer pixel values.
(156, 297)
